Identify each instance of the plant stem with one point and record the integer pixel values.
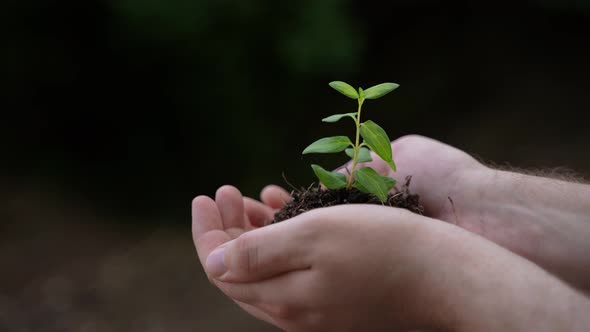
(357, 143)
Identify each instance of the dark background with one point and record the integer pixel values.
(115, 114)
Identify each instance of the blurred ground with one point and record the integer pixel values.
(62, 270)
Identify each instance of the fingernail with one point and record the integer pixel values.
(215, 264)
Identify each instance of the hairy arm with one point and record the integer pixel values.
(482, 287)
(545, 220)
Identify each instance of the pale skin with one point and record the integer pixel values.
(544, 220)
(357, 267)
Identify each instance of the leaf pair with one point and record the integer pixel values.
(374, 92)
(367, 181)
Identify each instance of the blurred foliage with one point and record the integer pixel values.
(137, 106)
(304, 37)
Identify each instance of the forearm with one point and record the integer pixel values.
(545, 220)
(495, 290)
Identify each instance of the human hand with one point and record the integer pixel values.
(314, 271)
(218, 221)
(360, 267)
(438, 171)
(516, 211)
(541, 219)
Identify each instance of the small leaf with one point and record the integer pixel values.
(380, 90)
(363, 157)
(389, 182)
(345, 89)
(360, 187)
(371, 182)
(329, 145)
(376, 138)
(361, 93)
(337, 117)
(331, 180)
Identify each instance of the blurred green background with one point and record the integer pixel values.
(115, 114)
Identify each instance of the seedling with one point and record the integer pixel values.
(374, 137)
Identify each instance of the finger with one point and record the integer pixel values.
(258, 214)
(231, 207)
(275, 196)
(285, 289)
(263, 253)
(256, 312)
(207, 227)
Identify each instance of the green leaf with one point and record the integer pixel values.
(337, 117)
(345, 89)
(389, 182)
(331, 180)
(363, 157)
(367, 180)
(360, 187)
(329, 145)
(376, 138)
(361, 93)
(380, 90)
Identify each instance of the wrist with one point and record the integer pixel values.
(544, 220)
(427, 295)
(511, 195)
(501, 210)
(477, 286)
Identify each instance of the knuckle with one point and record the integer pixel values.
(247, 254)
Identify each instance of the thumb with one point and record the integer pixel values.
(261, 253)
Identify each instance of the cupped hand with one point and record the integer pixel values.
(345, 268)
(374, 268)
(215, 222)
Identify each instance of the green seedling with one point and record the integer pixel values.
(374, 137)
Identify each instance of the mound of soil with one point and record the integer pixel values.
(314, 197)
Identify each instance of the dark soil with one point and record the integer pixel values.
(314, 197)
